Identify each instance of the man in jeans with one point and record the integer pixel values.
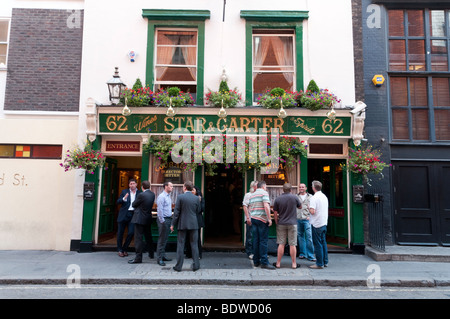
(304, 234)
(261, 221)
(318, 207)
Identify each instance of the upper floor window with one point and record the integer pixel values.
(419, 42)
(176, 59)
(4, 29)
(273, 60)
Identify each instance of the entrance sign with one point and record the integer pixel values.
(161, 124)
(122, 146)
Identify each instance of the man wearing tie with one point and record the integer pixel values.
(126, 199)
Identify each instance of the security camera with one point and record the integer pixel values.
(358, 108)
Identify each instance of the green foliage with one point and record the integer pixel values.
(230, 98)
(363, 160)
(223, 87)
(312, 86)
(289, 148)
(277, 92)
(173, 91)
(317, 100)
(137, 85)
(270, 101)
(163, 97)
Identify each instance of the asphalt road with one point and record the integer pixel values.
(212, 292)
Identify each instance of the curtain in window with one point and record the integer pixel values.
(261, 47)
(283, 49)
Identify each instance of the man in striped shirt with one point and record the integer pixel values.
(259, 204)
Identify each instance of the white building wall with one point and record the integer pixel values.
(46, 211)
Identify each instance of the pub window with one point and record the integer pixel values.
(4, 30)
(419, 43)
(168, 172)
(273, 60)
(275, 181)
(176, 59)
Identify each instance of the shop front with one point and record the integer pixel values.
(128, 142)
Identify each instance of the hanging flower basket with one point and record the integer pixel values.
(363, 161)
(86, 158)
(289, 149)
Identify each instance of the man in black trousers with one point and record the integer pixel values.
(185, 219)
(142, 219)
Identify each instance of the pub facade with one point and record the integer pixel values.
(195, 47)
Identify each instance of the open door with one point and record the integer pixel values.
(334, 186)
(108, 199)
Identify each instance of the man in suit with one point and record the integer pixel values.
(126, 198)
(185, 219)
(142, 219)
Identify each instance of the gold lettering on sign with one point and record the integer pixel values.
(118, 122)
(169, 127)
(145, 123)
(299, 122)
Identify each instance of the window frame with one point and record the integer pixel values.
(428, 74)
(256, 19)
(155, 64)
(171, 19)
(8, 31)
(293, 67)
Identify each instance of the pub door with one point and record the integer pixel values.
(334, 185)
(223, 209)
(108, 198)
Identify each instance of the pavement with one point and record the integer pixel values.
(398, 266)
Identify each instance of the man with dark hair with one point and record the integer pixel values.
(285, 215)
(318, 206)
(126, 198)
(185, 219)
(142, 220)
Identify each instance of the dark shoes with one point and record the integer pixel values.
(161, 263)
(268, 267)
(134, 261)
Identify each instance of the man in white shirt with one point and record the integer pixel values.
(247, 220)
(318, 207)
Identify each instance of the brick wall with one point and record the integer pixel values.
(44, 60)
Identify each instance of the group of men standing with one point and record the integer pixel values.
(136, 214)
(301, 218)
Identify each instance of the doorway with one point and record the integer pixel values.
(223, 209)
(114, 179)
(334, 185)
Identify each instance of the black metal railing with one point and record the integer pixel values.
(374, 205)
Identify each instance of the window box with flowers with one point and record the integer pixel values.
(86, 158)
(172, 96)
(137, 96)
(224, 97)
(315, 99)
(277, 97)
